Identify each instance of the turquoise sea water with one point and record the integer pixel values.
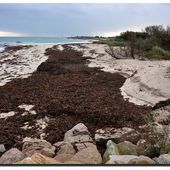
(36, 40)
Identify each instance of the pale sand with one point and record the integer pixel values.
(22, 63)
(150, 81)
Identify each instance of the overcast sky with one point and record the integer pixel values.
(79, 19)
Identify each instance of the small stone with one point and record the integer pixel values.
(2, 148)
(112, 149)
(11, 156)
(127, 148)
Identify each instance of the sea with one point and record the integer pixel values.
(5, 41)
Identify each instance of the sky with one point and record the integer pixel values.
(79, 19)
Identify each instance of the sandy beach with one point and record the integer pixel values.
(150, 82)
(66, 83)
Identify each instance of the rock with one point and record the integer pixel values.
(11, 156)
(120, 159)
(163, 159)
(127, 148)
(38, 158)
(116, 135)
(112, 149)
(32, 146)
(78, 130)
(152, 151)
(64, 148)
(55, 108)
(63, 157)
(2, 148)
(79, 136)
(27, 160)
(142, 160)
(80, 146)
(88, 155)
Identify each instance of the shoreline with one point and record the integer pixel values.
(137, 89)
(64, 89)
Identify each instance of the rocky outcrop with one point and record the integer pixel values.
(32, 146)
(11, 156)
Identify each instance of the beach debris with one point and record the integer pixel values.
(6, 115)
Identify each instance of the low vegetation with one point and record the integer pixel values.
(152, 43)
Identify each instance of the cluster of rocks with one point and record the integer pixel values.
(78, 147)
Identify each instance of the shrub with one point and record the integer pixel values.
(158, 53)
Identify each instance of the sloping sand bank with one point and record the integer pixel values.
(147, 83)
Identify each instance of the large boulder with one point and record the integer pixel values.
(38, 158)
(11, 156)
(120, 159)
(32, 146)
(88, 155)
(163, 159)
(111, 149)
(127, 148)
(116, 135)
(79, 136)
